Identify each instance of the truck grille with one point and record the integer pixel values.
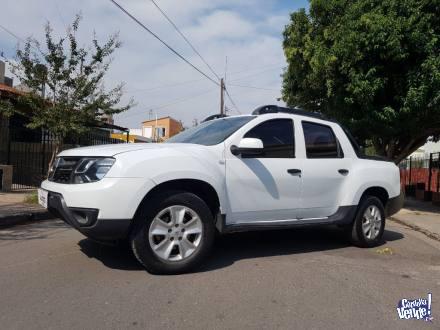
(62, 169)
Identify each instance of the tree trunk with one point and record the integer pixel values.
(55, 152)
(408, 150)
(379, 148)
(399, 150)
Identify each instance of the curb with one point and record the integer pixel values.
(425, 232)
(23, 218)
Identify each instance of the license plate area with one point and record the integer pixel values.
(43, 197)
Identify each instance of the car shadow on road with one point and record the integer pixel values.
(117, 256)
(254, 245)
(233, 247)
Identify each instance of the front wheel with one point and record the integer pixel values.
(369, 225)
(174, 233)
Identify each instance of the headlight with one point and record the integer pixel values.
(92, 169)
(54, 166)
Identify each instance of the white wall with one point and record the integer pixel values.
(136, 131)
(426, 149)
(431, 147)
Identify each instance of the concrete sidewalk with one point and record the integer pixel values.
(14, 210)
(420, 216)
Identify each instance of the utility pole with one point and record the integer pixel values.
(222, 97)
(156, 131)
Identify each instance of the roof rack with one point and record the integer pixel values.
(212, 117)
(294, 111)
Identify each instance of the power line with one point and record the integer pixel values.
(147, 89)
(255, 87)
(12, 33)
(226, 67)
(257, 73)
(183, 99)
(175, 101)
(264, 67)
(232, 101)
(163, 86)
(195, 50)
(21, 39)
(185, 38)
(163, 42)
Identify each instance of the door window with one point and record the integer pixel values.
(277, 137)
(321, 142)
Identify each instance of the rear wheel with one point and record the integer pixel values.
(369, 225)
(174, 233)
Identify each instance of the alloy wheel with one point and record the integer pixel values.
(175, 233)
(371, 222)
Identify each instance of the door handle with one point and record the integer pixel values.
(343, 171)
(294, 171)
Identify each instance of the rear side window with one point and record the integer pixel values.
(321, 141)
(277, 137)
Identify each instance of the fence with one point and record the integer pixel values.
(421, 173)
(30, 151)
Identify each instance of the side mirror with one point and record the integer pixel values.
(248, 146)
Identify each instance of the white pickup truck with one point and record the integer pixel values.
(275, 169)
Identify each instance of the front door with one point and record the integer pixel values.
(266, 187)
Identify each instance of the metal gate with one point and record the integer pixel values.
(423, 172)
(30, 151)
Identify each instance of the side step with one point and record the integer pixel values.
(344, 215)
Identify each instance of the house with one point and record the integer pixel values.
(161, 129)
(3, 79)
(27, 152)
(132, 138)
(428, 148)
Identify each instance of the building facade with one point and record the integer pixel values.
(3, 79)
(161, 129)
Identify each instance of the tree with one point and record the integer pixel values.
(372, 64)
(66, 88)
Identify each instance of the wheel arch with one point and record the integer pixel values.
(200, 188)
(376, 191)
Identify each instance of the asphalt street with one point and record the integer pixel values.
(51, 277)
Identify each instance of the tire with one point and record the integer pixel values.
(174, 232)
(370, 214)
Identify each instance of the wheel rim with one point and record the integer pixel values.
(371, 222)
(175, 233)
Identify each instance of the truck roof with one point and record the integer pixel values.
(273, 109)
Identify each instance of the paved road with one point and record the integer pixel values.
(52, 277)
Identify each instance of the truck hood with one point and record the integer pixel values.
(110, 150)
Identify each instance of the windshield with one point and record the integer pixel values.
(211, 132)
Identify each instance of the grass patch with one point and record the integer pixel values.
(31, 198)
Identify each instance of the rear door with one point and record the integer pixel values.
(324, 172)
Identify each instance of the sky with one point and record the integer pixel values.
(240, 39)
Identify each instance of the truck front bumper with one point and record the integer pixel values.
(86, 221)
(394, 204)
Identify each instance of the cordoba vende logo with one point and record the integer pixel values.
(419, 309)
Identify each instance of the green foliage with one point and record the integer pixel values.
(6, 107)
(372, 64)
(67, 92)
(31, 198)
